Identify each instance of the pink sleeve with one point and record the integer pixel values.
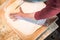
(47, 12)
(52, 8)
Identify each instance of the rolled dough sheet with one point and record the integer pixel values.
(27, 26)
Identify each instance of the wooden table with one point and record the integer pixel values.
(9, 33)
(40, 33)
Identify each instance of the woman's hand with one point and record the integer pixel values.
(15, 16)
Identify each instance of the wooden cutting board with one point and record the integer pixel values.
(13, 33)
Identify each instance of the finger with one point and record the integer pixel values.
(15, 19)
(21, 10)
(12, 16)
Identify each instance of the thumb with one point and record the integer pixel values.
(21, 10)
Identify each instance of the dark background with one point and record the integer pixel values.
(56, 34)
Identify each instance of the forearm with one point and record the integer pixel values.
(28, 15)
